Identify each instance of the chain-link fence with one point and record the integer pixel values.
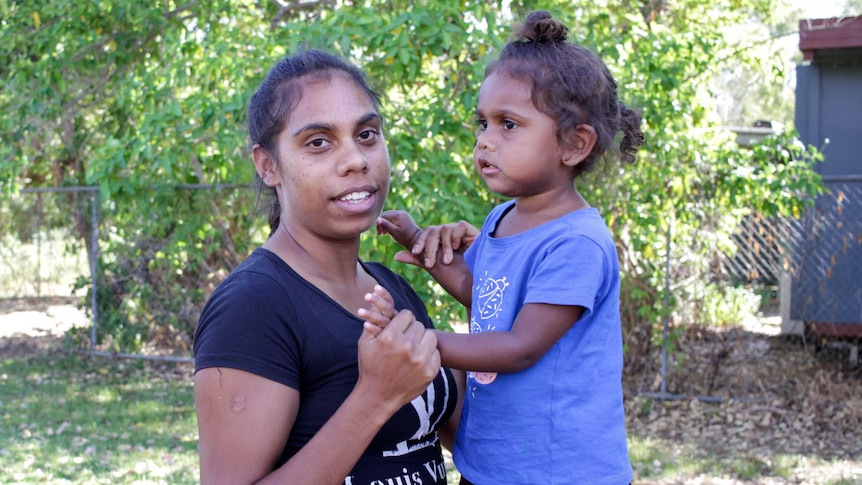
(47, 242)
(48, 251)
(809, 268)
(806, 329)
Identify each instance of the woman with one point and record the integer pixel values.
(289, 386)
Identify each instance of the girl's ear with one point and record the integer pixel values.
(265, 165)
(584, 140)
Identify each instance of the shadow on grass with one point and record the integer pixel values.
(70, 417)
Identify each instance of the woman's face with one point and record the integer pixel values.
(333, 170)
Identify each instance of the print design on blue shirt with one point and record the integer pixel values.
(489, 301)
(489, 294)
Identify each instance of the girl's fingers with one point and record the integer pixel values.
(371, 328)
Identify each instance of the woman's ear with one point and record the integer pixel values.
(584, 140)
(265, 165)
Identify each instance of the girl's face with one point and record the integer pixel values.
(516, 153)
(332, 174)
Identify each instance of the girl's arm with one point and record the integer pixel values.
(244, 420)
(454, 277)
(537, 328)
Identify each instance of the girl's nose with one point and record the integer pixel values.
(485, 141)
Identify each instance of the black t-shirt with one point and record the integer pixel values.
(266, 319)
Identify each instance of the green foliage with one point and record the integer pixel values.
(137, 98)
(721, 305)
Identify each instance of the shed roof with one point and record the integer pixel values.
(832, 39)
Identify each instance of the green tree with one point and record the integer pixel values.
(137, 98)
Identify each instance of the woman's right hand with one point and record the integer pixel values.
(398, 362)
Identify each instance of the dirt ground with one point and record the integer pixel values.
(745, 394)
(751, 395)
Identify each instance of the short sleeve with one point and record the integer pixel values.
(570, 273)
(247, 325)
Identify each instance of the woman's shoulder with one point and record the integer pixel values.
(389, 279)
(259, 279)
(381, 271)
(260, 266)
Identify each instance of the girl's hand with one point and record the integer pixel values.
(380, 312)
(399, 225)
(439, 243)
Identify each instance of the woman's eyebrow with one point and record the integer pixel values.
(328, 127)
(313, 127)
(369, 117)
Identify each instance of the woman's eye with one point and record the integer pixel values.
(317, 142)
(368, 135)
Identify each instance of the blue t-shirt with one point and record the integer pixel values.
(562, 420)
(266, 319)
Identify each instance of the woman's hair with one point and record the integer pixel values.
(571, 85)
(280, 93)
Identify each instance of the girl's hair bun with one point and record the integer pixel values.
(541, 28)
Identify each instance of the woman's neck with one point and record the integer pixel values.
(331, 266)
(315, 258)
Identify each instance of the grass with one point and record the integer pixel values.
(72, 418)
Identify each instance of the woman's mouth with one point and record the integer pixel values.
(355, 197)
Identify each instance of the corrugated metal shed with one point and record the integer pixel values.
(826, 291)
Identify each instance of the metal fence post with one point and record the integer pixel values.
(94, 234)
(666, 321)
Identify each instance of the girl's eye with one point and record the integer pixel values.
(510, 125)
(317, 142)
(483, 124)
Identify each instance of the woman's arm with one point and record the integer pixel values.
(244, 420)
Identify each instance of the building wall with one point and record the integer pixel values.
(826, 271)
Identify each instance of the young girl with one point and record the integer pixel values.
(544, 401)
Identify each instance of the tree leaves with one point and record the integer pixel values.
(135, 97)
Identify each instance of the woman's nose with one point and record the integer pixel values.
(353, 160)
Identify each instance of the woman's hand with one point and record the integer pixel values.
(398, 362)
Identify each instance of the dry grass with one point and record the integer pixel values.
(750, 407)
(744, 406)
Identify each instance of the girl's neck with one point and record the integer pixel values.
(533, 211)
